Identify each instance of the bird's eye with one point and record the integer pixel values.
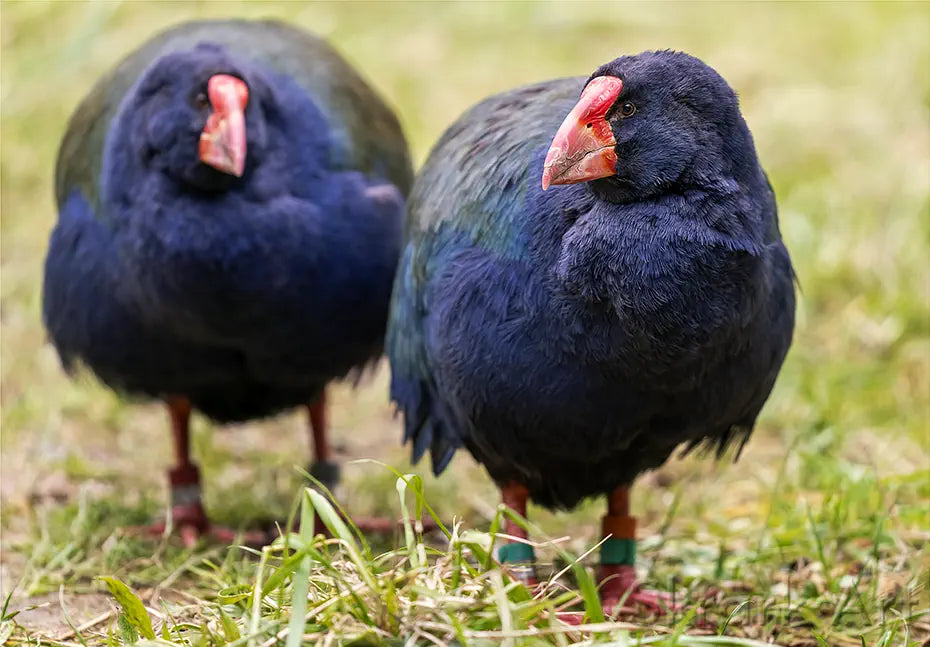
(201, 101)
(627, 109)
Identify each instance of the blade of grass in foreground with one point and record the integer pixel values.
(422, 503)
(301, 578)
(344, 518)
(132, 607)
(415, 549)
(340, 530)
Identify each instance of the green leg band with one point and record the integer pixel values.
(616, 551)
(515, 553)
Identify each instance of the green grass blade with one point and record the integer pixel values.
(301, 579)
(132, 607)
(330, 518)
(230, 628)
(128, 632)
(422, 503)
(340, 530)
(345, 522)
(726, 623)
(257, 596)
(401, 485)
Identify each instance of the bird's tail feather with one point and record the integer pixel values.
(427, 423)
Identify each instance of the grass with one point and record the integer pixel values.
(817, 536)
(430, 592)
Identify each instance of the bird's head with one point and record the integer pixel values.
(197, 115)
(649, 124)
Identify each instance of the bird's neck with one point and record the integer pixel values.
(660, 262)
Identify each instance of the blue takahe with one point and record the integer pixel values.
(574, 337)
(231, 202)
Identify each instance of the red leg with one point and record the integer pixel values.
(617, 573)
(317, 411)
(517, 556)
(187, 513)
(323, 468)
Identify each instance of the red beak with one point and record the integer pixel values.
(583, 148)
(222, 142)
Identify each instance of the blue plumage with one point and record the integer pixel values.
(246, 295)
(572, 338)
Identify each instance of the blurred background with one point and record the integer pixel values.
(837, 96)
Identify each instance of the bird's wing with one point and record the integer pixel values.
(366, 135)
(77, 297)
(470, 193)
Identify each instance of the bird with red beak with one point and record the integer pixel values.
(572, 337)
(230, 217)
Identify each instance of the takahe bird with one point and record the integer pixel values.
(231, 202)
(574, 337)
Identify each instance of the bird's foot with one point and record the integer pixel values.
(191, 533)
(574, 618)
(188, 518)
(621, 593)
(657, 602)
(187, 513)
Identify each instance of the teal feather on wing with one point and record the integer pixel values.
(517, 125)
(455, 205)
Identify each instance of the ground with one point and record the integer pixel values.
(817, 536)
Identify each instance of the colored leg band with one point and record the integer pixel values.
(616, 551)
(185, 485)
(515, 553)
